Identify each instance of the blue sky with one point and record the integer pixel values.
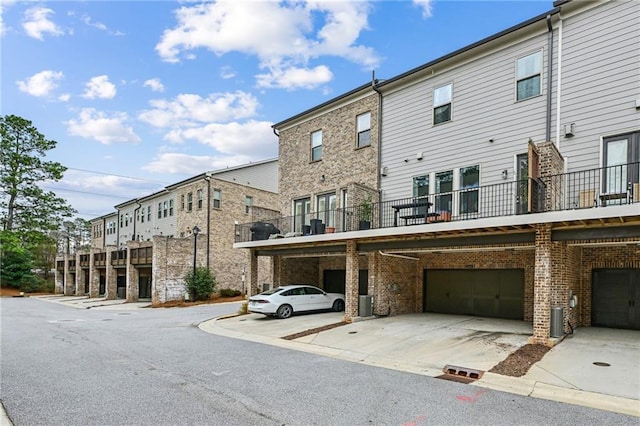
(143, 94)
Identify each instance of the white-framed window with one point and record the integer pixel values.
(217, 198)
(442, 104)
(316, 145)
(327, 208)
(200, 198)
(148, 213)
(529, 76)
(444, 188)
(165, 208)
(159, 210)
(248, 202)
(363, 128)
(189, 201)
(301, 212)
(171, 207)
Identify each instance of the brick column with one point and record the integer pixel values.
(276, 270)
(351, 281)
(69, 278)
(253, 273)
(111, 279)
(133, 281)
(542, 284)
(94, 277)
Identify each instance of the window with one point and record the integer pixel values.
(190, 201)
(326, 209)
(126, 219)
(301, 210)
(148, 213)
(248, 202)
(363, 124)
(182, 202)
(159, 210)
(444, 186)
(140, 216)
(528, 73)
(171, 207)
(442, 104)
(469, 179)
(165, 208)
(217, 198)
(312, 291)
(199, 195)
(316, 145)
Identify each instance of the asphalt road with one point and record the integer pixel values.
(66, 366)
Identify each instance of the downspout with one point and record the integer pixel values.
(208, 178)
(135, 220)
(559, 83)
(549, 75)
(374, 86)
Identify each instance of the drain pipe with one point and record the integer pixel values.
(374, 86)
(549, 75)
(397, 255)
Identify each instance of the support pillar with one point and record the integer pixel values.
(351, 282)
(253, 273)
(133, 282)
(111, 278)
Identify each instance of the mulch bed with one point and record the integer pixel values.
(314, 330)
(214, 299)
(518, 363)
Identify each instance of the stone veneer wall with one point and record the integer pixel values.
(342, 162)
(172, 260)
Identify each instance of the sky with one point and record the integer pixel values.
(140, 95)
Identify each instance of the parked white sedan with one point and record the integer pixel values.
(284, 301)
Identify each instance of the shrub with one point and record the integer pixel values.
(229, 292)
(201, 285)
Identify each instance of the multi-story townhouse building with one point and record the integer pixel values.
(145, 248)
(508, 181)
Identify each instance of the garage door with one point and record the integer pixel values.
(616, 298)
(495, 293)
(333, 281)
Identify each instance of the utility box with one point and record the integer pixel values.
(557, 321)
(122, 292)
(365, 306)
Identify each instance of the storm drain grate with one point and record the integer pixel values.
(460, 374)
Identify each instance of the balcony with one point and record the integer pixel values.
(601, 187)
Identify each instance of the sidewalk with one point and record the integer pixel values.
(84, 302)
(425, 343)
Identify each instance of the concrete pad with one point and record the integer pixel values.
(570, 364)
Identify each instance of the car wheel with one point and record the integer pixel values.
(284, 311)
(338, 305)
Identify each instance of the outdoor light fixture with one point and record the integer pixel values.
(505, 174)
(195, 231)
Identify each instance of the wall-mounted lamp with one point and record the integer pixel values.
(491, 140)
(383, 171)
(321, 178)
(419, 156)
(569, 130)
(394, 288)
(505, 174)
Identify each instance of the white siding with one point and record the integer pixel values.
(261, 175)
(484, 108)
(600, 78)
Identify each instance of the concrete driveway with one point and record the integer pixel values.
(426, 343)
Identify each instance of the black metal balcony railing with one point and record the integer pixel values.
(599, 187)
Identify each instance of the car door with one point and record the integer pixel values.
(317, 298)
(296, 298)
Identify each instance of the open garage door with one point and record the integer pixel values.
(616, 298)
(333, 281)
(495, 293)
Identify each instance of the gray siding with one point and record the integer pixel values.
(484, 108)
(165, 226)
(260, 176)
(600, 78)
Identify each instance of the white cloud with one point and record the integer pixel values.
(280, 34)
(292, 78)
(187, 110)
(155, 84)
(99, 25)
(36, 23)
(3, 4)
(40, 84)
(97, 125)
(227, 72)
(99, 87)
(425, 5)
(253, 139)
(64, 97)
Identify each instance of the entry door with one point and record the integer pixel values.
(522, 182)
(616, 298)
(103, 285)
(144, 287)
(86, 281)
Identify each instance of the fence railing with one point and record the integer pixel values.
(601, 187)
